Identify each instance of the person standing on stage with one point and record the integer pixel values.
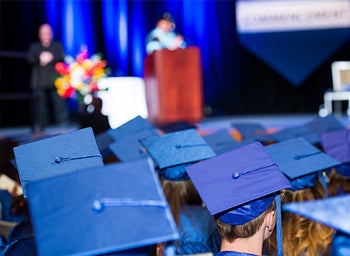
(163, 36)
(43, 55)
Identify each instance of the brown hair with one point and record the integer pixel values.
(231, 232)
(338, 184)
(180, 193)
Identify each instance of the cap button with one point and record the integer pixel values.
(235, 175)
(97, 206)
(58, 159)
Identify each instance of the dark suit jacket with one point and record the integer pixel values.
(44, 76)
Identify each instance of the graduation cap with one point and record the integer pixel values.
(57, 155)
(239, 185)
(173, 151)
(114, 208)
(296, 132)
(130, 148)
(248, 172)
(253, 131)
(300, 161)
(332, 212)
(103, 141)
(6, 212)
(177, 126)
(337, 145)
(34, 138)
(23, 246)
(22, 230)
(321, 125)
(130, 127)
(222, 141)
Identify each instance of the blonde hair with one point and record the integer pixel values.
(179, 193)
(302, 236)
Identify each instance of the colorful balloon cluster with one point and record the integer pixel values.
(79, 77)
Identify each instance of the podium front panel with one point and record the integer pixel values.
(173, 81)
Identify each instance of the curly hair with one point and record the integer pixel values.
(302, 236)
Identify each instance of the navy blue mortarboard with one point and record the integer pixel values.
(321, 125)
(300, 161)
(173, 151)
(253, 131)
(130, 148)
(130, 127)
(332, 212)
(8, 219)
(6, 201)
(21, 230)
(222, 141)
(239, 185)
(103, 141)
(248, 172)
(177, 126)
(23, 246)
(57, 155)
(114, 208)
(337, 145)
(296, 132)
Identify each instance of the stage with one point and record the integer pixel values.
(11, 137)
(207, 125)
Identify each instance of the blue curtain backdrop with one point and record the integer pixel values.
(124, 25)
(235, 79)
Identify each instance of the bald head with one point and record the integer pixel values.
(45, 34)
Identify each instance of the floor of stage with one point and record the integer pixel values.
(14, 136)
(207, 125)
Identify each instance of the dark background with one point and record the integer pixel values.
(236, 82)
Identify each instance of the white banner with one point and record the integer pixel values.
(288, 15)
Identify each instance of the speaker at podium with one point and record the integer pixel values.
(174, 86)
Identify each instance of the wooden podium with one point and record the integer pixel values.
(173, 82)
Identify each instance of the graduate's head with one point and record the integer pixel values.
(239, 188)
(266, 220)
